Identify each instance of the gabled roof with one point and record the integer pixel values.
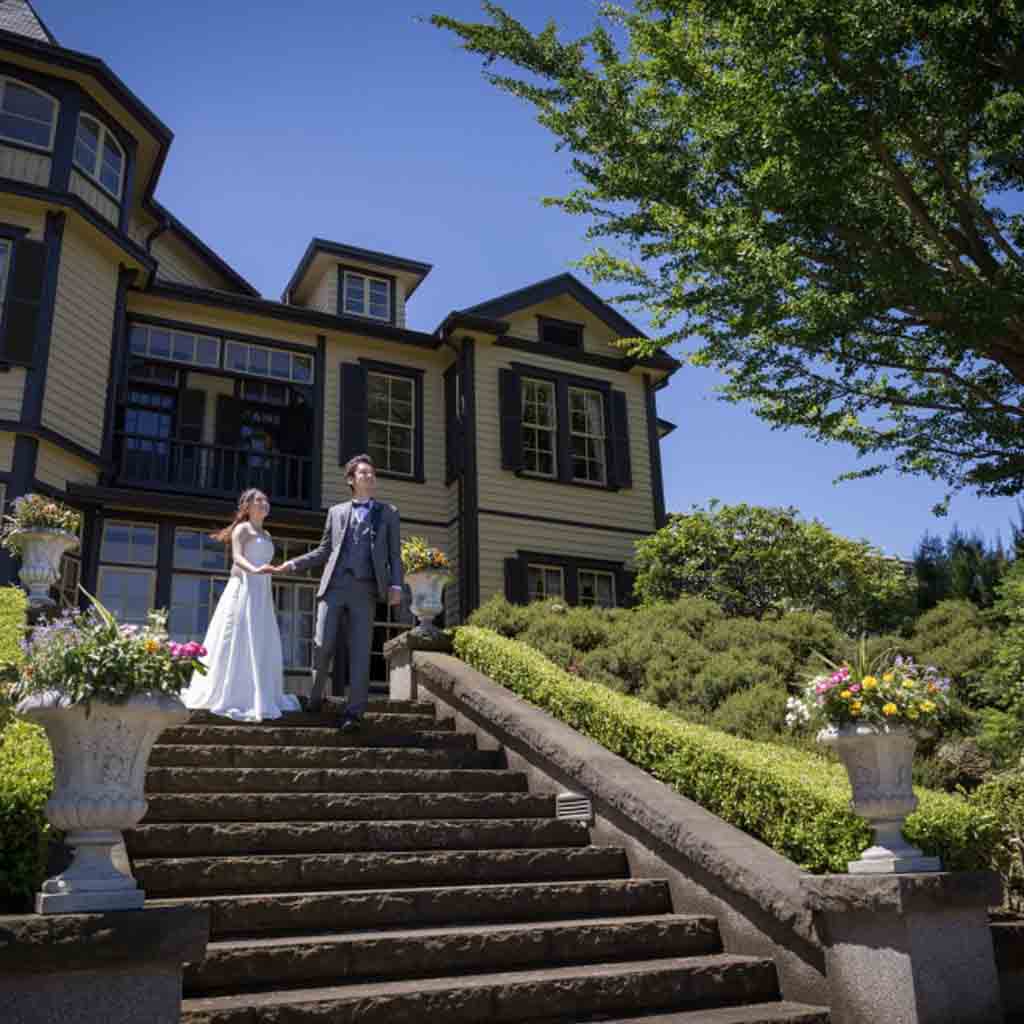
(549, 288)
(19, 17)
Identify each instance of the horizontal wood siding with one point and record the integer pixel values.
(501, 538)
(94, 196)
(399, 304)
(631, 508)
(22, 165)
(178, 264)
(58, 468)
(325, 295)
(6, 452)
(12, 389)
(76, 381)
(597, 335)
(419, 501)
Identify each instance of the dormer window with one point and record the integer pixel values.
(563, 333)
(27, 116)
(99, 154)
(363, 295)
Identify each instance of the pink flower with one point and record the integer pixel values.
(855, 688)
(824, 686)
(174, 648)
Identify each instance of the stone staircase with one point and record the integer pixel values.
(402, 873)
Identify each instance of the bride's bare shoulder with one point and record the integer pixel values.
(243, 531)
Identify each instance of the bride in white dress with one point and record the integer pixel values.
(244, 669)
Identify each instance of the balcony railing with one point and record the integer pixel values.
(166, 464)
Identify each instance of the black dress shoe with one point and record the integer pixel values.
(351, 723)
(314, 707)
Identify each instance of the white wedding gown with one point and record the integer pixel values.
(244, 670)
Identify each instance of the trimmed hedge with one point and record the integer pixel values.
(795, 802)
(26, 774)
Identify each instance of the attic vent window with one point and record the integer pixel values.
(563, 333)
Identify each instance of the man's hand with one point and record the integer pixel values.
(273, 568)
(395, 597)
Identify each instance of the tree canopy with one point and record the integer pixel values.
(822, 193)
(752, 561)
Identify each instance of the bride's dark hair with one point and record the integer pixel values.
(241, 515)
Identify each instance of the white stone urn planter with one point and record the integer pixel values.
(427, 601)
(40, 552)
(879, 761)
(99, 761)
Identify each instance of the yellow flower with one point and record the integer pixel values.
(855, 707)
(927, 706)
(152, 646)
(888, 677)
(908, 684)
(912, 714)
(932, 688)
(846, 695)
(869, 682)
(890, 709)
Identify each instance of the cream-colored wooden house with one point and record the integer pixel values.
(145, 382)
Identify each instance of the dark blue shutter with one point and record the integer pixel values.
(620, 473)
(516, 591)
(24, 295)
(352, 420)
(510, 403)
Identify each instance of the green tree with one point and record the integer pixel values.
(752, 560)
(817, 190)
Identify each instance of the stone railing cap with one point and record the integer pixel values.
(411, 640)
(31, 943)
(900, 893)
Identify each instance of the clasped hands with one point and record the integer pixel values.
(394, 593)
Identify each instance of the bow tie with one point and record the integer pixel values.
(360, 504)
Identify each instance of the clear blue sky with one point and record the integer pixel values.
(363, 124)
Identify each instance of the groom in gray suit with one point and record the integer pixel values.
(361, 552)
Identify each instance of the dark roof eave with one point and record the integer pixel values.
(470, 322)
(665, 427)
(203, 249)
(548, 288)
(292, 314)
(382, 259)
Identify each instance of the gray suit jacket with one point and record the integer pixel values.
(385, 541)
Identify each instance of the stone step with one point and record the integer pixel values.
(422, 952)
(571, 992)
(281, 913)
(268, 734)
(234, 839)
(224, 755)
(752, 1013)
(268, 807)
(183, 876)
(334, 780)
(398, 721)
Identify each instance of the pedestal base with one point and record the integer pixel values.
(89, 902)
(908, 949)
(894, 866)
(402, 683)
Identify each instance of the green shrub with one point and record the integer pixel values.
(797, 803)
(755, 714)
(26, 779)
(1003, 798)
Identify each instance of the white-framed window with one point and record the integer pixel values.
(27, 116)
(196, 549)
(295, 604)
(587, 435)
(130, 543)
(261, 361)
(544, 581)
(391, 417)
(266, 392)
(596, 587)
(364, 295)
(176, 346)
(127, 593)
(99, 154)
(193, 600)
(540, 424)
